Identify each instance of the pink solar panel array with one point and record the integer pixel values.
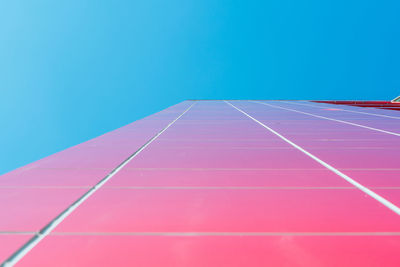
(215, 183)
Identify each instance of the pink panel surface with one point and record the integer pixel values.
(52, 177)
(226, 143)
(287, 158)
(376, 177)
(308, 132)
(87, 157)
(370, 121)
(214, 189)
(393, 195)
(111, 149)
(359, 159)
(30, 209)
(354, 143)
(216, 251)
(9, 243)
(210, 133)
(227, 178)
(230, 210)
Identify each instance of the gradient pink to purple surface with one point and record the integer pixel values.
(215, 189)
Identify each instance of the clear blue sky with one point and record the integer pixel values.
(72, 70)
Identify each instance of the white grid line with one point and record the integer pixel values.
(326, 118)
(339, 107)
(17, 256)
(369, 192)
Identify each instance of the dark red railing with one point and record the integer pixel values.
(368, 104)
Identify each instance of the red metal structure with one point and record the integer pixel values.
(393, 105)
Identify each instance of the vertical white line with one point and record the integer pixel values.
(11, 261)
(326, 118)
(369, 192)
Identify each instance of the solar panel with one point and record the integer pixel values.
(215, 183)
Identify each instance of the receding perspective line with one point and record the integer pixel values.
(231, 187)
(228, 233)
(369, 192)
(326, 118)
(19, 254)
(340, 109)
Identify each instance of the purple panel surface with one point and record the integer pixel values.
(215, 183)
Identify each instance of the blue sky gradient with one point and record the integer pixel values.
(72, 70)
